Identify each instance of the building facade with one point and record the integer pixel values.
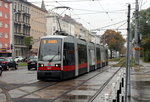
(5, 36)
(21, 27)
(66, 25)
(38, 23)
(53, 20)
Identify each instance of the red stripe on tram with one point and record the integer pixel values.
(49, 68)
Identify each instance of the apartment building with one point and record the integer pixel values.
(57, 22)
(78, 29)
(21, 26)
(5, 37)
(38, 23)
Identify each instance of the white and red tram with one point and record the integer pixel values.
(61, 57)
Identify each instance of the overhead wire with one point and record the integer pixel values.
(78, 16)
(59, 3)
(143, 3)
(84, 20)
(140, 4)
(107, 13)
(110, 25)
(122, 25)
(94, 12)
(65, 1)
(114, 24)
(121, 10)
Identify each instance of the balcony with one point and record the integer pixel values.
(26, 14)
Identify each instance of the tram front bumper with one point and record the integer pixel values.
(49, 75)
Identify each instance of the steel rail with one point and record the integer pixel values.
(105, 84)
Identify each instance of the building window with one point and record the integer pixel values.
(21, 7)
(6, 15)
(6, 5)
(0, 3)
(6, 35)
(15, 6)
(1, 14)
(6, 45)
(1, 24)
(6, 25)
(0, 35)
(0, 45)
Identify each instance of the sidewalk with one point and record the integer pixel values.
(140, 83)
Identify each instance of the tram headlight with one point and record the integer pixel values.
(57, 65)
(41, 65)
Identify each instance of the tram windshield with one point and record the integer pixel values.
(50, 49)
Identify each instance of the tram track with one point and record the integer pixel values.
(55, 83)
(5, 92)
(51, 84)
(67, 91)
(77, 86)
(96, 94)
(105, 84)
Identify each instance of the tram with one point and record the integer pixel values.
(63, 56)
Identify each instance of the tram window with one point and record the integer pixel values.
(92, 56)
(50, 49)
(69, 54)
(106, 54)
(82, 53)
(98, 53)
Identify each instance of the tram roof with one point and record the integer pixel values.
(56, 36)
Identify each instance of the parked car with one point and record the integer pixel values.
(7, 62)
(18, 59)
(32, 62)
(1, 70)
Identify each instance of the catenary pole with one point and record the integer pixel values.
(127, 88)
(136, 35)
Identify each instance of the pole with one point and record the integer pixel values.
(127, 88)
(136, 35)
(13, 36)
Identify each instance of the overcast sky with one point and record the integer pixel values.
(96, 13)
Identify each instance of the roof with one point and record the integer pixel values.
(54, 36)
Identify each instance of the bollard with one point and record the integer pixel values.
(118, 93)
(118, 99)
(113, 91)
(122, 99)
(122, 82)
(118, 82)
(106, 97)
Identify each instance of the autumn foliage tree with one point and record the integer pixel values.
(114, 40)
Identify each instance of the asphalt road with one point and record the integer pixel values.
(22, 86)
(19, 76)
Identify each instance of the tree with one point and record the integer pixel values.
(28, 42)
(114, 40)
(144, 29)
